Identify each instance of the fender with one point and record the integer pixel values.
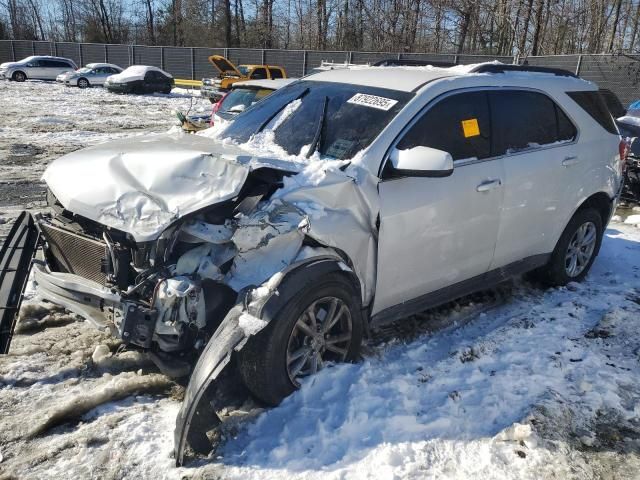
(197, 414)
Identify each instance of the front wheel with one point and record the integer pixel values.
(83, 83)
(576, 250)
(321, 324)
(19, 76)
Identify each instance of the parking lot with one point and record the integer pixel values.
(517, 382)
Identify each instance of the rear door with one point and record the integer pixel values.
(439, 232)
(538, 142)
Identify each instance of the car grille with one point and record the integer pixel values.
(75, 253)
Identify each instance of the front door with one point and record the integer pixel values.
(438, 232)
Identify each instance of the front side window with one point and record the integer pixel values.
(458, 124)
(523, 120)
(340, 118)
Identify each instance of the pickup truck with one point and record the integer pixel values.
(215, 88)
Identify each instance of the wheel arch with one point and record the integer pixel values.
(13, 75)
(295, 278)
(85, 79)
(601, 202)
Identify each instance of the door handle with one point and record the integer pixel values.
(568, 161)
(488, 185)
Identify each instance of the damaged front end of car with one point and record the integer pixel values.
(170, 259)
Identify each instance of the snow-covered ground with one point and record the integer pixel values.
(522, 383)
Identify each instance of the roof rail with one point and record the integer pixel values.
(411, 62)
(503, 68)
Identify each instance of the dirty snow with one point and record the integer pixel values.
(543, 384)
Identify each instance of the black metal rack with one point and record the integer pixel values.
(504, 68)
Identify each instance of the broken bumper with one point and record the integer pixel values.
(84, 297)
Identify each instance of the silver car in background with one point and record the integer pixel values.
(91, 75)
(36, 67)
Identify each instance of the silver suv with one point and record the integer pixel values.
(343, 201)
(36, 67)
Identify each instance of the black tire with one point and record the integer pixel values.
(555, 272)
(19, 76)
(263, 361)
(83, 83)
(166, 90)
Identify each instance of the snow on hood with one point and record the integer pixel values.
(135, 72)
(143, 184)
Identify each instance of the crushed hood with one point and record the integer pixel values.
(141, 185)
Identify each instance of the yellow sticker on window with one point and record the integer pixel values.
(470, 128)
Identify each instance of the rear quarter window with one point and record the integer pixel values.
(593, 103)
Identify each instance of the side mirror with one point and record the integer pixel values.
(422, 162)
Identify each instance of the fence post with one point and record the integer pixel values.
(263, 57)
(132, 55)
(455, 59)
(304, 63)
(161, 58)
(33, 47)
(226, 53)
(80, 55)
(578, 65)
(349, 56)
(106, 54)
(13, 51)
(193, 63)
(55, 49)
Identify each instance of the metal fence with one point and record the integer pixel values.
(618, 73)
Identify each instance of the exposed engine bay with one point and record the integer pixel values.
(174, 291)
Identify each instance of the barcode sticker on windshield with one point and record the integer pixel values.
(373, 101)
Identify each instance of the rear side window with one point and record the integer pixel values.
(593, 103)
(275, 73)
(259, 74)
(523, 120)
(459, 124)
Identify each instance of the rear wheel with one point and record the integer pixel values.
(576, 250)
(19, 76)
(83, 83)
(321, 324)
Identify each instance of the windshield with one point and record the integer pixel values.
(239, 99)
(244, 70)
(335, 119)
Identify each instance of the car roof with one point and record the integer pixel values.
(100, 65)
(274, 84)
(412, 79)
(146, 68)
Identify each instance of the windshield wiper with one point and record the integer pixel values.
(271, 117)
(318, 136)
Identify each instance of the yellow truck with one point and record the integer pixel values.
(215, 88)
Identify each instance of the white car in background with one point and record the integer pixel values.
(37, 68)
(93, 74)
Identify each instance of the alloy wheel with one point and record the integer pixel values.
(82, 83)
(321, 334)
(580, 249)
